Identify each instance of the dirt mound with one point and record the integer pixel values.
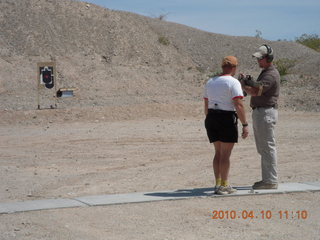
(118, 58)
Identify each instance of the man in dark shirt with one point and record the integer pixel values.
(265, 116)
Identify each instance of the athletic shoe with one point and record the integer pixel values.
(216, 187)
(225, 190)
(263, 185)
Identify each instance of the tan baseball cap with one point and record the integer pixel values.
(229, 61)
(262, 52)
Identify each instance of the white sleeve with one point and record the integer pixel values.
(236, 90)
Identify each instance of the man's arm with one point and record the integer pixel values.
(258, 88)
(250, 86)
(253, 91)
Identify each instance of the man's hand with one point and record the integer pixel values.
(250, 90)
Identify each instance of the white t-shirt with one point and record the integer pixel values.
(221, 91)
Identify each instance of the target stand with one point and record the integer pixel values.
(46, 82)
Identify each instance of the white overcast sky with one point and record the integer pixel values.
(275, 19)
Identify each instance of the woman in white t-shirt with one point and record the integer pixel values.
(223, 106)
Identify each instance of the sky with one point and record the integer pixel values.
(271, 20)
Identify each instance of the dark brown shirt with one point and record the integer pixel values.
(270, 78)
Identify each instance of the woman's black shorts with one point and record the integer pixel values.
(222, 126)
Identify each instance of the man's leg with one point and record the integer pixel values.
(264, 121)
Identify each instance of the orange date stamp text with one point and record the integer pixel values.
(263, 214)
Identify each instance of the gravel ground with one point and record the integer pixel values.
(135, 123)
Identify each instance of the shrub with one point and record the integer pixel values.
(200, 69)
(283, 65)
(164, 40)
(163, 16)
(215, 74)
(258, 34)
(310, 40)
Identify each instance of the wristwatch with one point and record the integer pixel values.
(245, 125)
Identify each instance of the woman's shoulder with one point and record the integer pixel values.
(212, 79)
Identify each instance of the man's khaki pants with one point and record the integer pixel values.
(264, 121)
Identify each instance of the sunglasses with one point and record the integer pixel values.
(260, 58)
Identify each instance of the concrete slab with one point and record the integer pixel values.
(283, 188)
(39, 205)
(190, 193)
(313, 183)
(242, 191)
(111, 199)
(122, 198)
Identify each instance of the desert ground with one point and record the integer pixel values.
(136, 124)
(154, 150)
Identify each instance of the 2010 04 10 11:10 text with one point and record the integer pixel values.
(264, 214)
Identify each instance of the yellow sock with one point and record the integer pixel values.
(224, 183)
(218, 181)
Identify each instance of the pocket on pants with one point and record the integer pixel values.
(271, 116)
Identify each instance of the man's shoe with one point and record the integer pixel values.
(226, 190)
(257, 183)
(263, 185)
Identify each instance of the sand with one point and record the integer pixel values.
(50, 159)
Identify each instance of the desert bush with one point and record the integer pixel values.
(164, 40)
(201, 69)
(258, 34)
(215, 73)
(310, 40)
(163, 16)
(283, 65)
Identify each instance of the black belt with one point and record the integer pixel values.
(273, 106)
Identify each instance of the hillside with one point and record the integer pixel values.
(136, 124)
(117, 58)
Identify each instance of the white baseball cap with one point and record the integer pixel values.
(262, 52)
